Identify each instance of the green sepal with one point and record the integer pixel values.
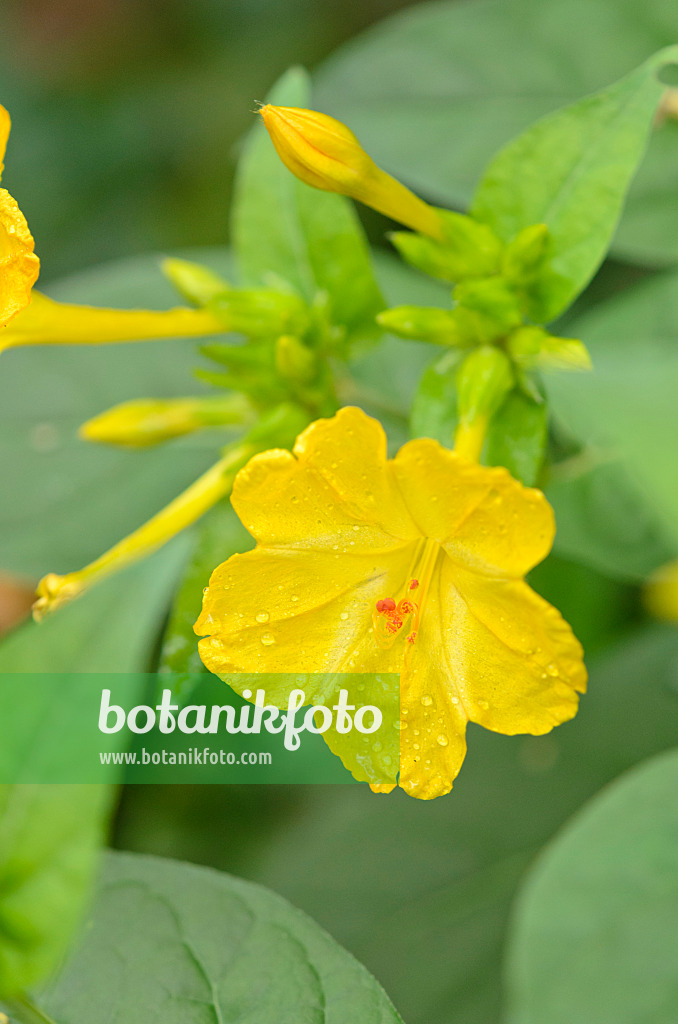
(470, 249)
(535, 348)
(426, 323)
(260, 312)
(483, 380)
(517, 435)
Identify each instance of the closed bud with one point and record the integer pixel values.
(196, 283)
(484, 379)
(294, 361)
(140, 424)
(526, 256)
(468, 249)
(535, 348)
(324, 153)
(423, 323)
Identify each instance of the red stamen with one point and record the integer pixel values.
(412, 637)
(414, 584)
(386, 605)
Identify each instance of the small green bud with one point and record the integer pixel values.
(535, 348)
(483, 380)
(258, 312)
(468, 249)
(424, 323)
(294, 361)
(526, 256)
(196, 283)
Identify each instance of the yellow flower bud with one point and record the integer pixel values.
(323, 153)
(149, 421)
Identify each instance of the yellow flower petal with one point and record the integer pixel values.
(46, 322)
(484, 518)
(19, 266)
(280, 610)
(337, 493)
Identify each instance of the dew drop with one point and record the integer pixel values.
(483, 704)
(294, 598)
(454, 700)
(427, 700)
(442, 741)
(267, 639)
(262, 617)
(400, 725)
(343, 616)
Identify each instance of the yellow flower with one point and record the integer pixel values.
(325, 154)
(413, 566)
(19, 266)
(45, 322)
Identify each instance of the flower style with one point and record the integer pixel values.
(412, 566)
(19, 266)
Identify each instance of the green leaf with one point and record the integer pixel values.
(594, 936)
(570, 171)
(50, 839)
(468, 77)
(311, 239)
(605, 521)
(517, 436)
(169, 943)
(627, 405)
(218, 536)
(434, 407)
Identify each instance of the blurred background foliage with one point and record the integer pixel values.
(127, 118)
(127, 113)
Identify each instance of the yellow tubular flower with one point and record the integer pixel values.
(323, 153)
(413, 565)
(661, 592)
(54, 591)
(19, 266)
(149, 421)
(46, 322)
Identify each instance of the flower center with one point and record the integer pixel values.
(391, 616)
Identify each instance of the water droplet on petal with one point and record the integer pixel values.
(427, 700)
(267, 639)
(442, 741)
(263, 617)
(343, 616)
(400, 725)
